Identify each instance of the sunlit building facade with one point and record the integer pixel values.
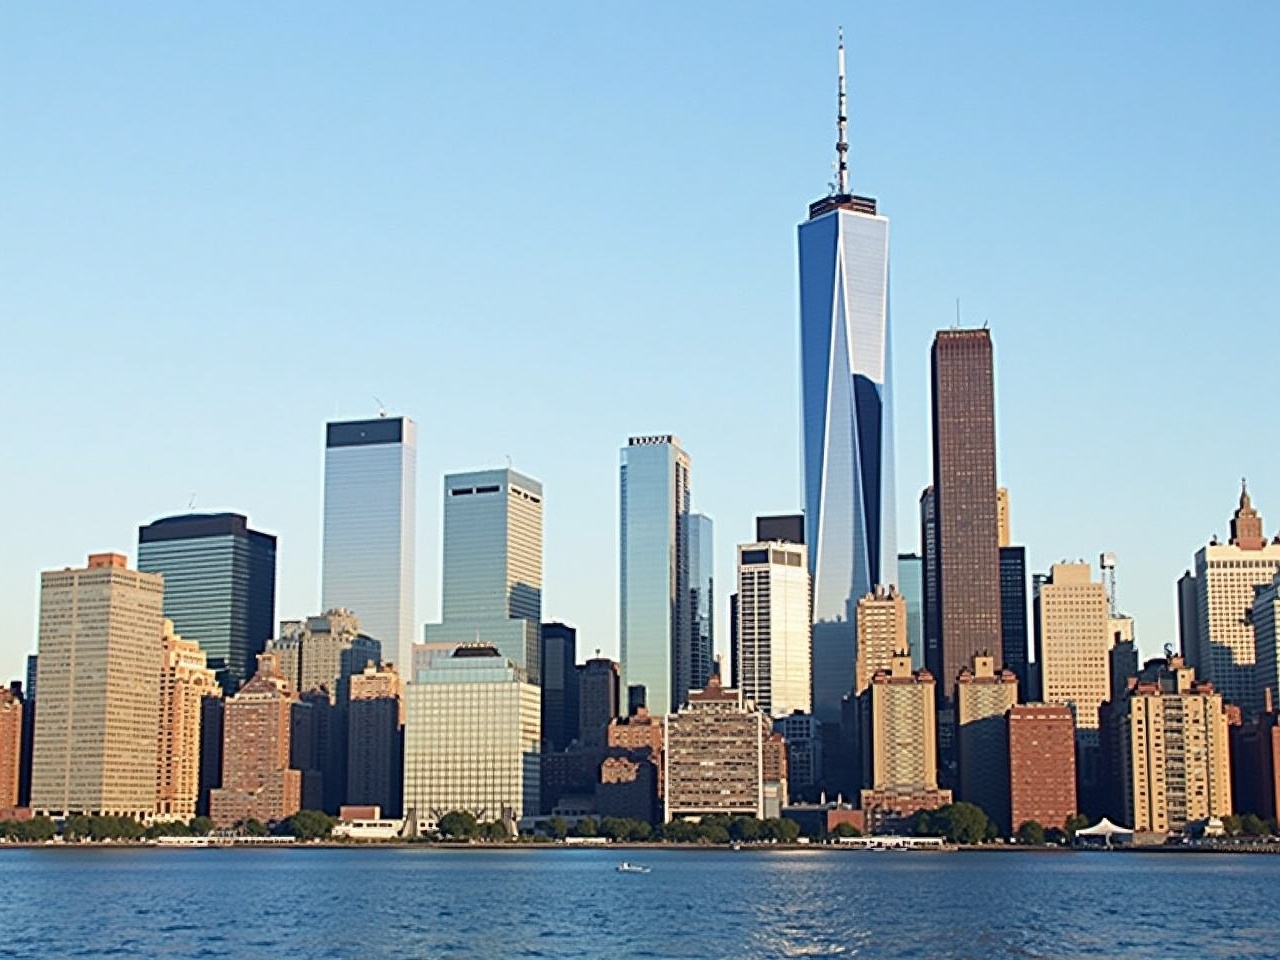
(772, 636)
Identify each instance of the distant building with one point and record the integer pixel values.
(802, 734)
(370, 527)
(642, 736)
(186, 680)
(28, 731)
(882, 634)
(322, 652)
(1042, 764)
(1003, 527)
(259, 781)
(1255, 763)
(772, 652)
(472, 738)
(628, 787)
(929, 598)
(1214, 605)
(983, 698)
(10, 750)
(911, 586)
(212, 719)
(559, 685)
(713, 754)
(99, 679)
(598, 703)
(1175, 751)
(702, 600)
(375, 739)
(1013, 612)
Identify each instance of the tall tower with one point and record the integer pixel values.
(370, 519)
(219, 586)
(655, 620)
(702, 600)
(773, 653)
(847, 423)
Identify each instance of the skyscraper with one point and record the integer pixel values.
(10, 750)
(559, 685)
(847, 422)
(100, 665)
(1042, 765)
(932, 609)
(964, 501)
(773, 653)
(185, 682)
(598, 699)
(492, 575)
(370, 520)
(1013, 612)
(219, 585)
(655, 620)
(702, 600)
(911, 586)
(882, 634)
(375, 739)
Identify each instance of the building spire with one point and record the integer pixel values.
(842, 125)
(1246, 525)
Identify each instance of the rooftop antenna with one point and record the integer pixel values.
(842, 124)
(191, 504)
(957, 313)
(382, 410)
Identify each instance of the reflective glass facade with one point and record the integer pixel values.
(1013, 611)
(911, 586)
(219, 586)
(847, 428)
(370, 486)
(653, 600)
(702, 599)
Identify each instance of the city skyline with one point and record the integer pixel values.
(163, 289)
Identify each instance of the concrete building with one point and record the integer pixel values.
(322, 652)
(1042, 764)
(375, 739)
(472, 738)
(99, 680)
(983, 697)
(1175, 749)
(185, 681)
(713, 755)
(598, 704)
(559, 651)
(772, 640)
(641, 736)
(882, 634)
(10, 751)
(1073, 643)
(259, 780)
(1215, 601)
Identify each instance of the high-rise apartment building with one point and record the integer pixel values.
(598, 699)
(99, 679)
(702, 600)
(10, 750)
(882, 634)
(1073, 642)
(370, 524)
(375, 739)
(1214, 605)
(965, 502)
(559, 685)
(655, 636)
(219, 585)
(911, 586)
(492, 575)
(983, 697)
(772, 654)
(259, 779)
(472, 738)
(185, 681)
(1174, 749)
(1042, 765)
(1013, 612)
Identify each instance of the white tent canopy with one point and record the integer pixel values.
(1105, 829)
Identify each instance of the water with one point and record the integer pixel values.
(418, 903)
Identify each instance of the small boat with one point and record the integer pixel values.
(625, 867)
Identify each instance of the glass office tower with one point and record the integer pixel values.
(702, 599)
(219, 586)
(911, 586)
(847, 427)
(370, 488)
(655, 619)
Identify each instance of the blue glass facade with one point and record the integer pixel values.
(219, 585)
(1013, 612)
(911, 586)
(653, 600)
(702, 599)
(847, 429)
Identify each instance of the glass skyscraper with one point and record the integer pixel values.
(702, 599)
(219, 586)
(492, 576)
(911, 586)
(655, 618)
(370, 520)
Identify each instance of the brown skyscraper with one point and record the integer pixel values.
(10, 750)
(1042, 764)
(964, 490)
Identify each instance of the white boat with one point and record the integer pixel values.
(625, 867)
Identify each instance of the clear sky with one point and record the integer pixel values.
(539, 228)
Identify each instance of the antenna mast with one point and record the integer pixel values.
(842, 124)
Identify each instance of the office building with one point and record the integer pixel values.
(964, 500)
(185, 681)
(1003, 530)
(1255, 763)
(702, 599)
(882, 634)
(642, 737)
(559, 686)
(322, 652)
(370, 523)
(1215, 601)
(655, 637)
(472, 738)
(375, 739)
(1174, 749)
(259, 779)
(1042, 765)
(803, 736)
(28, 731)
(983, 697)
(492, 574)
(598, 699)
(714, 756)
(929, 585)
(772, 651)
(99, 680)
(10, 750)
(911, 586)
(212, 729)
(785, 528)
(1013, 612)
(219, 585)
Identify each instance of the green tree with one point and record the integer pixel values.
(1251, 825)
(495, 830)
(201, 826)
(308, 825)
(1031, 833)
(1231, 825)
(1077, 821)
(253, 827)
(748, 829)
(638, 830)
(587, 827)
(785, 830)
(458, 825)
(557, 827)
(680, 831)
(846, 830)
(713, 832)
(75, 827)
(169, 828)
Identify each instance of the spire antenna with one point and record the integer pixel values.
(842, 125)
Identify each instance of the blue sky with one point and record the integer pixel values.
(538, 229)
